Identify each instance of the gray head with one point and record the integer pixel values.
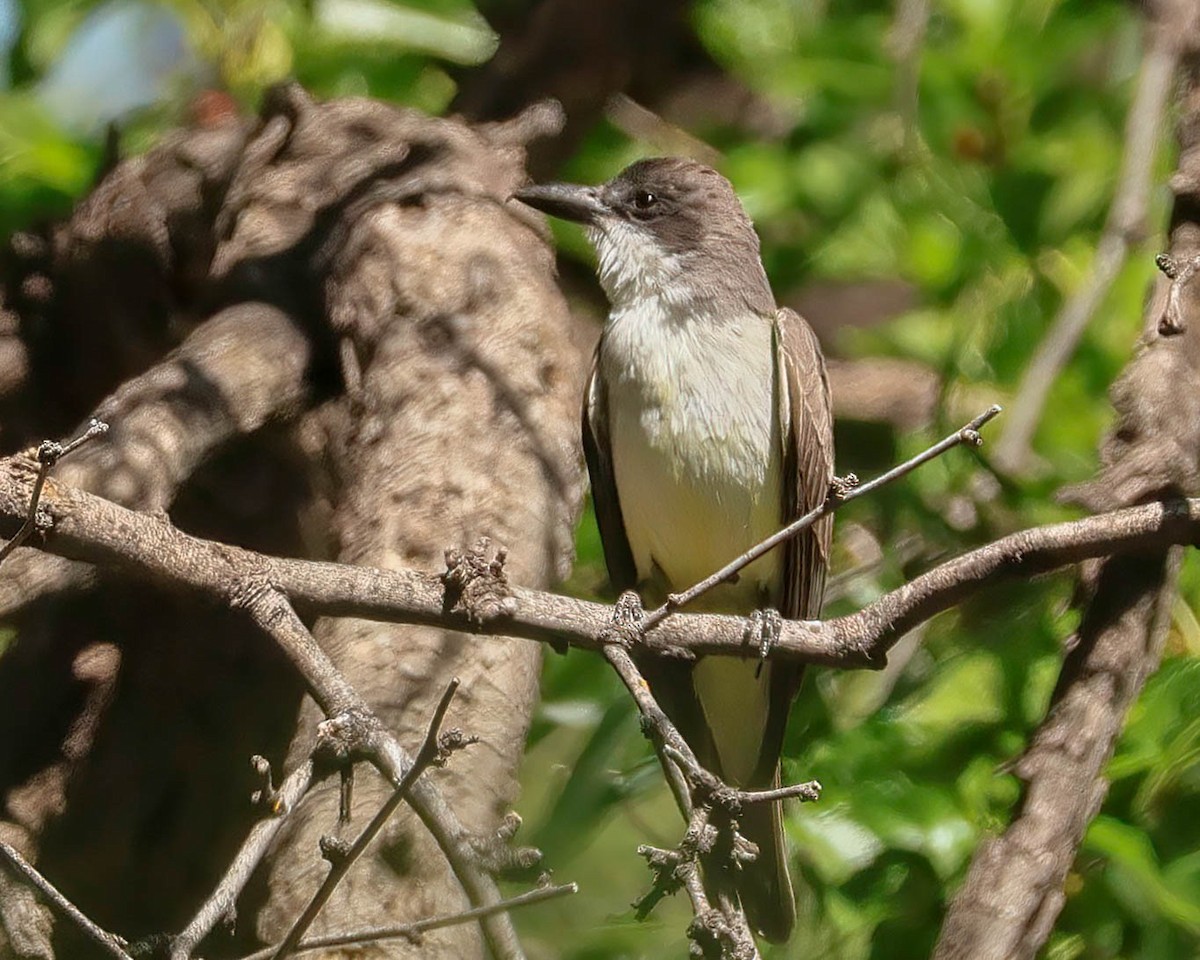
(667, 227)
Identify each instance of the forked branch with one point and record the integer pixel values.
(429, 753)
(48, 454)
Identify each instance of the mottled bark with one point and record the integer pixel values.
(370, 360)
(459, 421)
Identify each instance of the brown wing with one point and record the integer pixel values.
(598, 452)
(806, 426)
(807, 431)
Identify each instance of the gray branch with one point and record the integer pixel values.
(233, 374)
(222, 902)
(19, 867)
(89, 528)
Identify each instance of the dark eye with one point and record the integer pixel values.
(644, 200)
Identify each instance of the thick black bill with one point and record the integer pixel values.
(565, 200)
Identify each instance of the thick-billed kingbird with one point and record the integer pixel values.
(706, 427)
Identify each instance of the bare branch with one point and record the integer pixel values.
(92, 529)
(1165, 41)
(718, 930)
(280, 803)
(413, 931)
(233, 373)
(89, 528)
(804, 792)
(48, 454)
(712, 849)
(1013, 892)
(340, 865)
(21, 868)
(357, 724)
(904, 43)
(272, 611)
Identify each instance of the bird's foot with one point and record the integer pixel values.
(628, 618)
(763, 630)
(841, 487)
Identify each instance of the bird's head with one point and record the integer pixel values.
(667, 227)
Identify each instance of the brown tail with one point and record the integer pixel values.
(765, 887)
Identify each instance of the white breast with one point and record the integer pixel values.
(695, 440)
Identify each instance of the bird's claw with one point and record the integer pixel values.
(628, 621)
(763, 629)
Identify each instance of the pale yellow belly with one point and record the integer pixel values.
(690, 506)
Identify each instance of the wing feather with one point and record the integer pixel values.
(807, 431)
(806, 428)
(597, 450)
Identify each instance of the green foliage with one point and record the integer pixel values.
(43, 171)
(984, 204)
(397, 51)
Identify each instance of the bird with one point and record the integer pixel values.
(706, 427)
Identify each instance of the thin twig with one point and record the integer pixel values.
(412, 931)
(1126, 219)
(340, 866)
(904, 43)
(697, 790)
(674, 755)
(804, 792)
(21, 868)
(969, 433)
(255, 590)
(48, 454)
(221, 903)
(719, 928)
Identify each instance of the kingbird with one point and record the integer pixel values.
(706, 427)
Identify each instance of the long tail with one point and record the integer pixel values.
(765, 886)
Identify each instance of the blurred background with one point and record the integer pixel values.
(931, 180)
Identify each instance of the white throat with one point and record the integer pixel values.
(633, 267)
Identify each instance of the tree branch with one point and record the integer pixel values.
(1013, 892)
(92, 529)
(341, 863)
(19, 867)
(280, 803)
(904, 42)
(413, 931)
(847, 490)
(48, 454)
(352, 720)
(89, 528)
(234, 373)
